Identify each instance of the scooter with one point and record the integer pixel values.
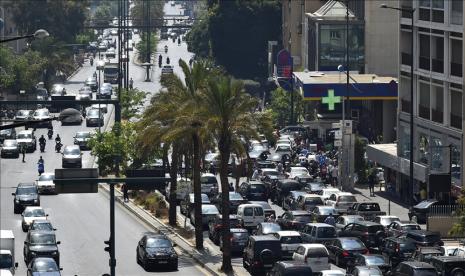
(42, 147)
(58, 146)
(50, 134)
(166, 49)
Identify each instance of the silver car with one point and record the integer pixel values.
(10, 148)
(72, 157)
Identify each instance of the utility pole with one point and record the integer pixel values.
(148, 36)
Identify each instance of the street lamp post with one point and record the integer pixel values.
(412, 13)
(39, 34)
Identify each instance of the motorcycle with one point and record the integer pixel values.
(50, 134)
(58, 146)
(167, 60)
(91, 62)
(42, 147)
(40, 168)
(166, 49)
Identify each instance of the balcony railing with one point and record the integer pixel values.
(437, 115)
(456, 121)
(456, 69)
(405, 105)
(424, 63)
(406, 59)
(438, 65)
(424, 112)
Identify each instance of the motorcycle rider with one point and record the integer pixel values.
(160, 61)
(58, 139)
(42, 140)
(40, 166)
(50, 132)
(91, 61)
(167, 60)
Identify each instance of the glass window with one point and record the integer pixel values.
(438, 4)
(154, 242)
(423, 148)
(425, 3)
(456, 57)
(406, 4)
(456, 109)
(437, 153)
(437, 54)
(404, 138)
(437, 103)
(405, 93)
(424, 42)
(424, 102)
(456, 164)
(456, 12)
(406, 47)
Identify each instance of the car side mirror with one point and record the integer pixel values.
(16, 265)
(46, 215)
(13, 194)
(25, 242)
(54, 229)
(174, 245)
(58, 242)
(61, 268)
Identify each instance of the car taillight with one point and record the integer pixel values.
(305, 259)
(366, 233)
(345, 253)
(397, 248)
(218, 226)
(257, 263)
(366, 251)
(231, 238)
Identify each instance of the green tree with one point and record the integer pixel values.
(198, 38)
(228, 113)
(142, 48)
(102, 15)
(458, 229)
(131, 100)
(29, 68)
(7, 75)
(281, 106)
(139, 12)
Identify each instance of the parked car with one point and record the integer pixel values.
(398, 228)
(290, 240)
(370, 233)
(41, 224)
(320, 213)
(235, 199)
(254, 190)
(155, 250)
(314, 255)
(43, 266)
(421, 210)
(343, 250)
(41, 243)
(71, 156)
(294, 220)
(45, 183)
(266, 208)
(397, 250)
(94, 118)
(446, 265)
(187, 204)
(371, 260)
(26, 194)
(342, 221)
(209, 211)
(413, 269)
(290, 268)
(30, 214)
(250, 215)
(260, 253)
(215, 227)
(425, 253)
(318, 233)
(28, 139)
(10, 148)
(267, 228)
(425, 238)
(239, 237)
(290, 201)
(308, 202)
(386, 220)
(81, 138)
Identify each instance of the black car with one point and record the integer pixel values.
(41, 224)
(320, 213)
(425, 238)
(235, 199)
(449, 265)
(397, 250)
(239, 237)
(154, 250)
(290, 201)
(343, 250)
(41, 243)
(254, 190)
(283, 188)
(413, 269)
(266, 228)
(266, 208)
(425, 253)
(27, 194)
(369, 260)
(260, 253)
(421, 210)
(370, 233)
(290, 268)
(81, 138)
(43, 266)
(215, 227)
(294, 220)
(187, 204)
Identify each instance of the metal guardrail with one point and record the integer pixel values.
(446, 210)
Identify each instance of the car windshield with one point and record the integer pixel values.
(34, 213)
(374, 260)
(47, 177)
(283, 148)
(291, 239)
(43, 239)
(370, 207)
(71, 151)
(271, 173)
(235, 196)
(352, 244)
(425, 204)
(347, 198)
(354, 219)
(240, 235)
(303, 218)
(318, 252)
(432, 238)
(22, 113)
(257, 188)
(42, 226)
(327, 210)
(44, 266)
(326, 232)
(209, 209)
(152, 242)
(208, 180)
(271, 228)
(26, 190)
(9, 143)
(93, 112)
(24, 136)
(83, 135)
(41, 113)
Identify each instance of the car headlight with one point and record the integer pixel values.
(173, 255)
(55, 253)
(16, 200)
(33, 253)
(36, 201)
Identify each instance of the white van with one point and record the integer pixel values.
(250, 215)
(315, 255)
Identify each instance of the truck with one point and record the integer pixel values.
(368, 210)
(110, 72)
(7, 251)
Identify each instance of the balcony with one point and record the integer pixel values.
(424, 112)
(406, 59)
(456, 121)
(424, 63)
(437, 116)
(405, 105)
(456, 69)
(438, 65)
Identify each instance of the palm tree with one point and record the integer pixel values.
(228, 111)
(174, 113)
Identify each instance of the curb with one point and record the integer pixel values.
(74, 73)
(168, 228)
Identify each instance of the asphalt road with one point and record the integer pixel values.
(82, 220)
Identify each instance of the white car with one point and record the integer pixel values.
(327, 192)
(341, 201)
(386, 220)
(42, 114)
(290, 240)
(298, 172)
(314, 255)
(30, 214)
(103, 107)
(45, 183)
(333, 272)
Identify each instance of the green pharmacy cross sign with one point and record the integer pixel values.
(331, 100)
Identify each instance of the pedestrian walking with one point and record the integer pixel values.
(125, 192)
(231, 187)
(371, 182)
(23, 152)
(334, 173)
(330, 220)
(131, 83)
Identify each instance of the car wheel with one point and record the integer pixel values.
(458, 272)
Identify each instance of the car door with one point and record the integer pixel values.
(340, 223)
(141, 247)
(299, 254)
(258, 215)
(248, 216)
(347, 230)
(306, 233)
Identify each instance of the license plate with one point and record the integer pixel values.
(163, 262)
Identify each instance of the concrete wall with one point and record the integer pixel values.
(381, 39)
(441, 225)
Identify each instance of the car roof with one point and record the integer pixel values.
(265, 205)
(40, 232)
(72, 146)
(26, 131)
(288, 233)
(344, 194)
(319, 224)
(311, 195)
(299, 212)
(41, 221)
(26, 184)
(313, 245)
(289, 264)
(208, 174)
(33, 208)
(264, 238)
(421, 233)
(418, 264)
(239, 230)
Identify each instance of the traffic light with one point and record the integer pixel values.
(107, 248)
